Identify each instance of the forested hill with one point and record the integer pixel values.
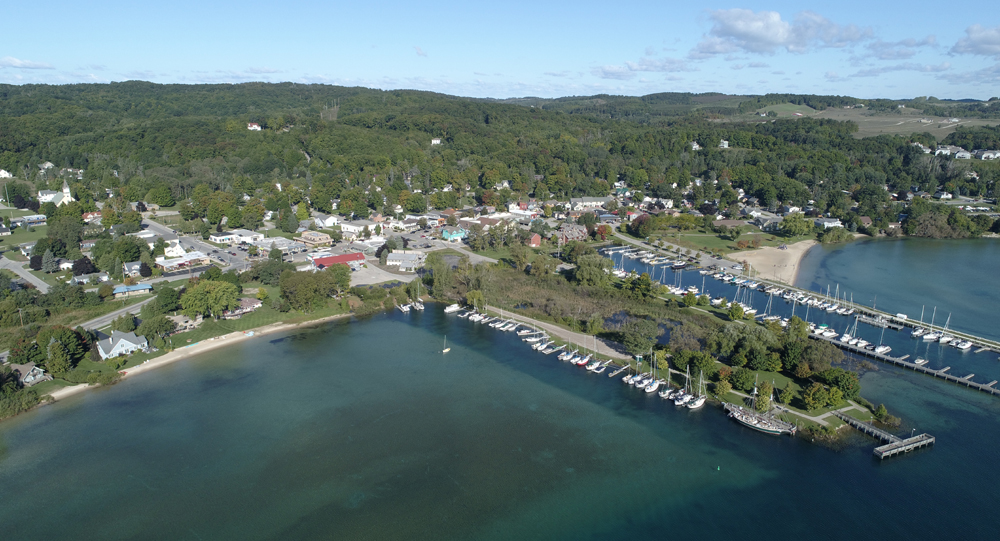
(333, 142)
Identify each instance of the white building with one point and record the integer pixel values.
(828, 223)
(724, 144)
(236, 236)
(253, 126)
(5, 174)
(59, 198)
(435, 141)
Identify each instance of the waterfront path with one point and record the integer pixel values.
(586, 341)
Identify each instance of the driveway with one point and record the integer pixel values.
(18, 268)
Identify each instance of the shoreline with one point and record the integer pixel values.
(187, 351)
(773, 263)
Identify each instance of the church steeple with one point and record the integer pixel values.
(66, 188)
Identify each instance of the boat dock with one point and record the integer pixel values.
(894, 445)
(916, 366)
(880, 322)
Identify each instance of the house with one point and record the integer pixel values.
(326, 221)
(453, 233)
(987, 154)
(895, 225)
(174, 249)
(246, 306)
(952, 150)
(535, 240)
(4, 231)
(314, 238)
(58, 198)
(87, 279)
(943, 195)
(925, 150)
(769, 223)
(695, 145)
(5, 174)
(790, 209)
(723, 144)
(253, 126)
(124, 292)
(29, 374)
(65, 264)
(827, 223)
(353, 260)
(131, 269)
(865, 221)
(26, 248)
(406, 261)
(88, 244)
(435, 141)
(121, 343)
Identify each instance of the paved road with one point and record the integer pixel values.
(18, 267)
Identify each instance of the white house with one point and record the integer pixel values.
(580, 203)
(236, 236)
(724, 144)
(121, 343)
(980, 154)
(5, 174)
(253, 126)
(828, 223)
(326, 221)
(174, 249)
(695, 145)
(435, 141)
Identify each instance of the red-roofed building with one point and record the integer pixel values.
(535, 241)
(90, 216)
(351, 260)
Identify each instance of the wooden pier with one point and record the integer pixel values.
(901, 361)
(894, 445)
(880, 322)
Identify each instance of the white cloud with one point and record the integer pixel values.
(758, 65)
(979, 41)
(909, 66)
(737, 66)
(420, 52)
(11, 62)
(833, 77)
(899, 50)
(557, 73)
(765, 32)
(990, 76)
(260, 71)
(644, 65)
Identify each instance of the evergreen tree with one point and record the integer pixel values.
(49, 264)
(58, 361)
(144, 270)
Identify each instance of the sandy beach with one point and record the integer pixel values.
(196, 349)
(776, 264)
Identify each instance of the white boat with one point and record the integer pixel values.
(699, 399)
(883, 349)
(593, 366)
(962, 344)
(403, 308)
(653, 386)
(446, 348)
(584, 360)
(452, 308)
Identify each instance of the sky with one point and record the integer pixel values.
(516, 48)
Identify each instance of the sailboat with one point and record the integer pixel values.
(919, 330)
(655, 384)
(446, 348)
(933, 335)
(685, 396)
(699, 399)
(945, 337)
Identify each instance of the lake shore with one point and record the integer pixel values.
(773, 263)
(192, 350)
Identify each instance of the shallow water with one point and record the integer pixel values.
(364, 430)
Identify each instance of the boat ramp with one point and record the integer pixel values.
(894, 445)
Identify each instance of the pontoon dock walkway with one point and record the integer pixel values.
(894, 445)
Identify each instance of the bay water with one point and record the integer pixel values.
(363, 429)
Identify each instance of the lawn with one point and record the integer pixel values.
(788, 109)
(21, 235)
(501, 254)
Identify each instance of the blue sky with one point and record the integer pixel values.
(517, 48)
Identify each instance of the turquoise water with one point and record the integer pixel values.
(960, 277)
(364, 430)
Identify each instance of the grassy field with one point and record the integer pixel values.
(901, 122)
(20, 236)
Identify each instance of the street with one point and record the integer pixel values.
(18, 268)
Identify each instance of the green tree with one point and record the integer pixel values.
(723, 387)
(764, 391)
(742, 379)
(124, 323)
(794, 225)
(210, 298)
(155, 326)
(639, 335)
(58, 361)
(735, 312)
(815, 396)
